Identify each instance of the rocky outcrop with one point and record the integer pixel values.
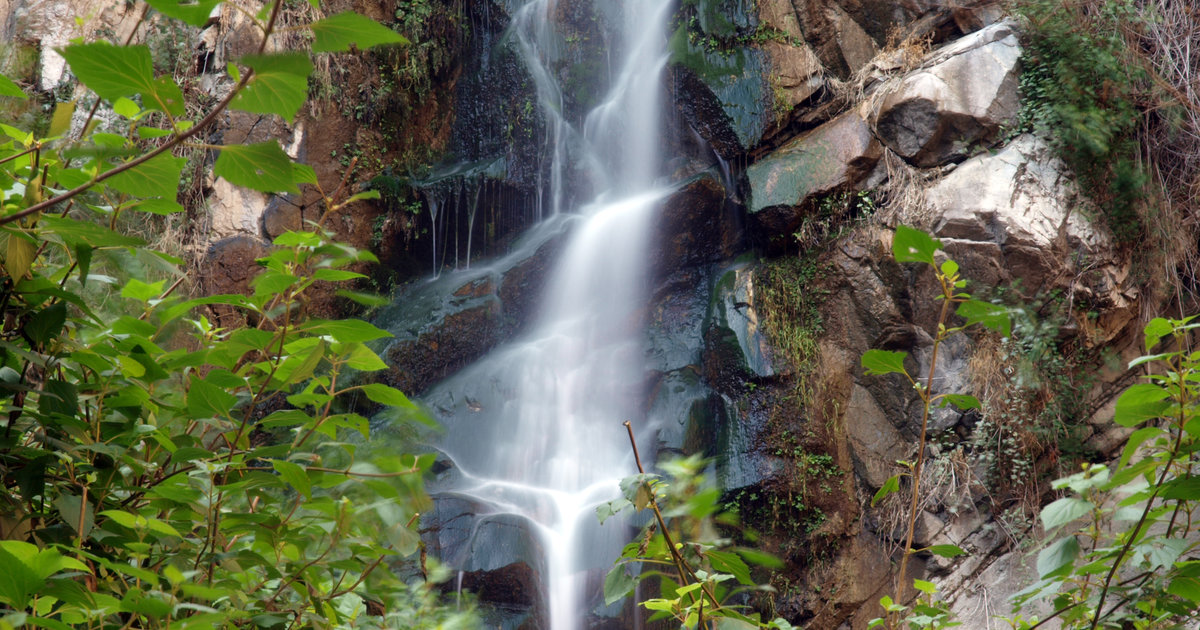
(441, 326)
(1014, 218)
(835, 155)
(960, 98)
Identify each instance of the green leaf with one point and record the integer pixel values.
(304, 174)
(386, 395)
(76, 513)
(1155, 330)
(617, 585)
(989, 315)
(1187, 588)
(366, 299)
(1064, 511)
(112, 71)
(1185, 489)
(1135, 441)
(763, 559)
(157, 177)
(126, 108)
(344, 330)
(263, 167)
(60, 121)
(946, 551)
(8, 88)
(909, 245)
(364, 359)
(962, 401)
(19, 251)
(929, 588)
(336, 275)
(339, 32)
(166, 97)
(888, 487)
(26, 568)
(279, 85)
(195, 12)
(294, 475)
(1139, 403)
(729, 562)
(879, 362)
(205, 400)
(74, 232)
(1058, 558)
(47, 323)
(141, 291)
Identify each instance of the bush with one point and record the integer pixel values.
(1082, 88)
(160, 471)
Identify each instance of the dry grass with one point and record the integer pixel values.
(1168, 45)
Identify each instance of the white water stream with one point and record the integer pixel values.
(535, 428)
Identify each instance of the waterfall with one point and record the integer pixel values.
(534, 429)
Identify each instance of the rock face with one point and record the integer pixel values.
(835, 155)
(1014, 216)
(962, 96)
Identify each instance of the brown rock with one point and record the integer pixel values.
(228, 267)
(694, 227)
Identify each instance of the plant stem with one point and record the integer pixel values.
(928, 401)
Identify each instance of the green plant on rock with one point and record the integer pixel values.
(698, 571)
(1125, 555)
(159, 470)
(1081, 85)
(909, 245)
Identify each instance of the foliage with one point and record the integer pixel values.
(909, 245)
(160, 470)
(1081, 86)
(1122, 557)
(699, 573)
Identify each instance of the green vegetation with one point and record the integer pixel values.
(1082, 86)
(160, 470)
(1121, 556)
(909, 245)
(699, 572)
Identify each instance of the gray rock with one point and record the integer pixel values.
(1013, 219)
(961, 97)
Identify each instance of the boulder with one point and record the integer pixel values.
(958, 99)
(835, 155)
(1014, 219)
(228, 267)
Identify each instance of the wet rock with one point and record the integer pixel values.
(440, 326)
(721, 93)
(694, 227)
(961, 97)
(679, 403)
(498, 556)
(735, 350)
(832, 156)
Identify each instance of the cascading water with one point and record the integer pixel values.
(534, 429)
